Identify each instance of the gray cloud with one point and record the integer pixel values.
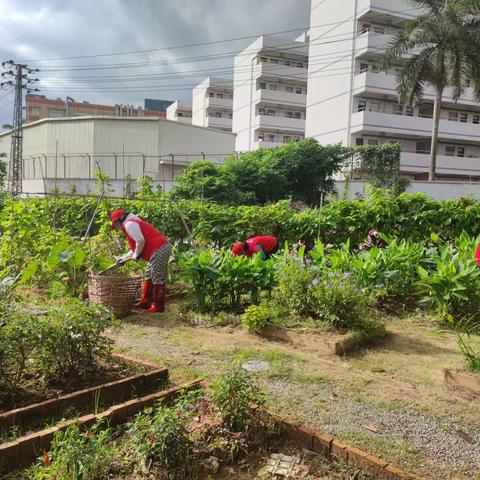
(33, 29)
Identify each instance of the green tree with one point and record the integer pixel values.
(3, 170)
(202, 180)
(441, 46)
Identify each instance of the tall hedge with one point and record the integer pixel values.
(407, 216)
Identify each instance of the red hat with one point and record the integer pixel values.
(116, 215)
(237, 249)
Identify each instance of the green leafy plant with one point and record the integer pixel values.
(160, 439)
(233, 393)
(256, 317)
(78, 455)
(465, 328)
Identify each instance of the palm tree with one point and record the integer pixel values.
(443, 48)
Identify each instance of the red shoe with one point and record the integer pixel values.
(158, 299)
(146, 299)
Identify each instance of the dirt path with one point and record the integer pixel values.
(389, 400)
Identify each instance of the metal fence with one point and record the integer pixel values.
(118, 166)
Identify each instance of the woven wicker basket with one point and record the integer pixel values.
(117, 292)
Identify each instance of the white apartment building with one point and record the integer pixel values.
(212, 104)
(269, 93)
(350, 100)
(180, 111)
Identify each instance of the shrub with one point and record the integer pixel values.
(68, 338)
(78, 455)
(232, 394)
(465, 329)
(160, 439)
(256, 317)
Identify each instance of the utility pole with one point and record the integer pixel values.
(17, 77)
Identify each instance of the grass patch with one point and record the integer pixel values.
(383, 445)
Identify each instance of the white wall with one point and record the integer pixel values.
(329, 81)
(437, 190)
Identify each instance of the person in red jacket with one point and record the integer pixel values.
(146, 243)
(265, 245)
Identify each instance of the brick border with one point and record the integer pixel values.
(111, 391)
(330, 447)
(463, 380)
(21, 453)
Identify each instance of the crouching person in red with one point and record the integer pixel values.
(146, 243)
(265, 245)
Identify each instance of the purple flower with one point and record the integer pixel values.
(347, 275)
(315, 281)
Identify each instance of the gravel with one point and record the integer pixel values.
(447, 445)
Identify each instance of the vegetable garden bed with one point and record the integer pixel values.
(32, 417)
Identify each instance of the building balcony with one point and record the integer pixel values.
(274, 70)
(401, 9)
(412, 127)
(265, 144)
(382, 84)
(372, 43)
(279, 123)
(214, 102)
(214, 122)
(278, 97)
(460, 166)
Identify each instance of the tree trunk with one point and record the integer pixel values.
(436, 121)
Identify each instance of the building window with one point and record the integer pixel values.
(453, 116)
(463, 118)
(263, 59)
(409, 111)
(376, 68)
(372, 141)
(211, 94)
(299, 64)
(261, 111)
(359, 142)
(36, 111)
(297, 139)
(365, 28)
(362, 105)
(180, 114)
(363, 67)
(270, 112)
(273, 86)
(230, 116)
(286, 63)
(288, 88)
(297, 115)
(286, 138)
(423, 147)
(397, 109)
(450, 151)
(288, 114)
(218, 115)
(425, 111)
(476, 118)
(262, 85)
(52, 113)
(274, 60)
(219, 95)
(379, 29)
(460, 151)
(299, 90)
(261, 136)
(271, 137)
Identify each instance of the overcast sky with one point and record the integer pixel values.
(51, 29)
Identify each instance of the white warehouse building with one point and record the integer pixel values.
(269, 93)
(352, 101)
(212, 103)
(62, 154)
